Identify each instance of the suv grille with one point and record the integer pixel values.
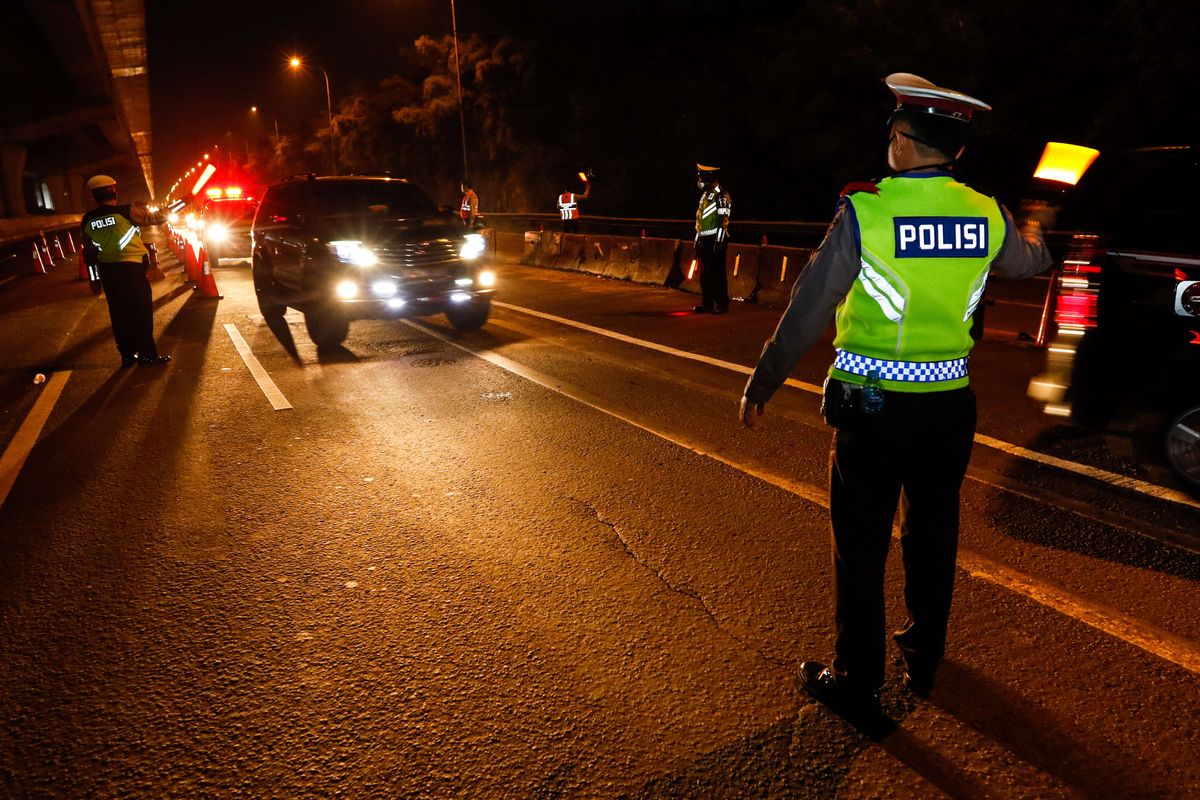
(412, 259)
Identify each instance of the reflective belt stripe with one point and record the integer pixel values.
(902, 371)
(891, 303)
(709, 232)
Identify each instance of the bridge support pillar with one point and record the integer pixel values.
(12, 178)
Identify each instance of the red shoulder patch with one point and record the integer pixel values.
(860, 186)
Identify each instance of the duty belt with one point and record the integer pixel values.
(906, 371)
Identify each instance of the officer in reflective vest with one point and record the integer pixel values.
(901, 270)
(712, 237)
(112, 232)
(469, 207)
(568, 207)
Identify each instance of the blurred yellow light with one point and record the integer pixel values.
(487, 279)
(206, 156)
(254, 108)
(203, 179)
(1064, 163)
(233, 191)
(213, 192)
(294, 62)
(347, 290)
(583, 177)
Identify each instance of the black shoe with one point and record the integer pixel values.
(859, 707)
(720, 309)
(128, 361)
(919, 683)
(701, 309)
(153, 360)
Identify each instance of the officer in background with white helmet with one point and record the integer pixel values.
(112, 233)
(902, 267)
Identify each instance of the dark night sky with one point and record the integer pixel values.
(1102, 73)
(207, 69)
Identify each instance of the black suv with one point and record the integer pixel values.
(1127, 343)
(343, 248)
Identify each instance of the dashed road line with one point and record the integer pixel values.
(26, 437)
(274, 396)
(1095, 473)
(1174, 649)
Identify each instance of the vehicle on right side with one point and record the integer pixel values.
(1124, 346)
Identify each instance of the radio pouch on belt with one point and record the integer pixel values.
(837, 402)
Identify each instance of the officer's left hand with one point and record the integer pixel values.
(750, 413)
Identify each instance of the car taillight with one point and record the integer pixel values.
(1079, 285)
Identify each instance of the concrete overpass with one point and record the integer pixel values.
(74, 101)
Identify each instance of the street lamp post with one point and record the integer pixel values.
(296, 63)
(462, 124)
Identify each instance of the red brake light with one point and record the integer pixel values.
(1076, 307)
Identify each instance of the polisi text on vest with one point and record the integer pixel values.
(941, 237)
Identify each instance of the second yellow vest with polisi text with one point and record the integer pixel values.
(927, 243)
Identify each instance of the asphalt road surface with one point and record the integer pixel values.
(541, 560)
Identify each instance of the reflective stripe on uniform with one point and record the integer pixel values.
(128, 237)
(976, 296)
(904, 371)
(890, 301)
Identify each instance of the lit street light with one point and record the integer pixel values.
(295, 63)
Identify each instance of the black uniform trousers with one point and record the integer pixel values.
(714, 284)
(130, 306)
(919, 444)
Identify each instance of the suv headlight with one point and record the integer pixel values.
(487, 279)
(218, 232)
(473, 247)
(353, 252)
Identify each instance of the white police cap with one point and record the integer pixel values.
(917, 94)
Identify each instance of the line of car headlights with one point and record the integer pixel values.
(356, 253)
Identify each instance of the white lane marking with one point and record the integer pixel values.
(1169, 647)
(6, 280)
(1112, 478)
(1124, 482)
(274, 396)
(26, 437)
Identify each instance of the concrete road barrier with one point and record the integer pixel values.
(572, 253)
(623, 257)
(741, 270)
(686, 276)
(777, 271)
(510, 246)
(657, 258)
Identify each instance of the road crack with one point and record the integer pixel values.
(681, 589)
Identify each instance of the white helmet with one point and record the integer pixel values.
(100, 182)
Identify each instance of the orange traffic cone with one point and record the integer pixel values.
(58, 248)
(207, 285)
(71, 241)
(38, 265)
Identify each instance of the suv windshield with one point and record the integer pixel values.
(1141, 200)
(385, 198)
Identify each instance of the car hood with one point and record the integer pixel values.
(386, 231)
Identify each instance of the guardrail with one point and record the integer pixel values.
(33, 244)
(794, 233)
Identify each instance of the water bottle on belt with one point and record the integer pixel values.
(872, 394)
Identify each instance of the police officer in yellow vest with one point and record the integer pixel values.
(712, 238)
(112, 233)
(902, 269)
